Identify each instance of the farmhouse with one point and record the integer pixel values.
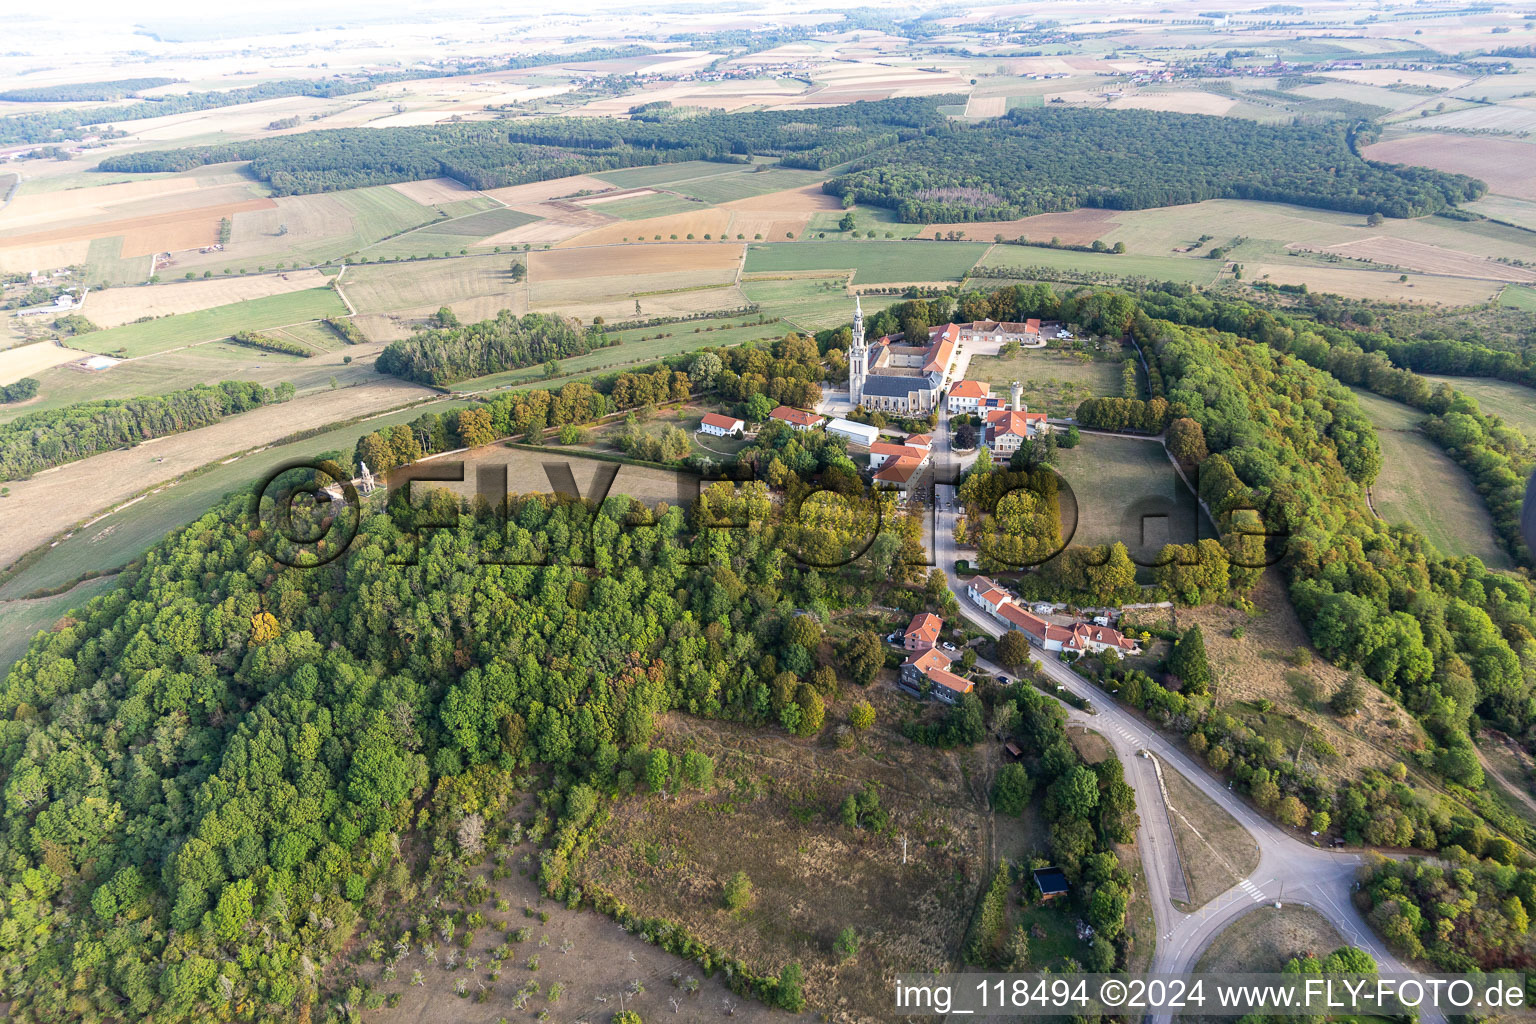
(929, 671)
(721, 426)
(1026, 334)
(923, 632)
(795, 418)
(858, 433)
(966, 395)
(897, 375)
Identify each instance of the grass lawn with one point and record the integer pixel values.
(724, 188)
(1055, 381)
(1263, 940)
(1117, 481)
(1420, 486)
(127, 534)
(1021, 258)
(1513, 403)
(1214, 850)
(218, 322)
(450, 235)
(866, 218)
(873, 262)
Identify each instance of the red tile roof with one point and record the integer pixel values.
(925, 626)
(1032, 326)
(1005, 421)
(930, 660)
(970, 389)
(948, 680)
(714, 419)
(795, 416)
(919, 440)
(890, 450)
(899, 471)
(938, 358)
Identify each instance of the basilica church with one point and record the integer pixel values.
(893, 375)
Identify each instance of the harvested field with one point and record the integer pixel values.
(1374, 284)
(1520, 212)
(613, 298)
(96, 484)
(698, 222)
(1184, 102)
(142, 236)
(30, 360)
(393, 287)
(539, 191)
(434, 191)
(986, 106)
(556, 222)
(1430, 259)
(31, 209)
(571, 263)
(1393, 76)
(451, 235)
(1079, 227)
(610, 197)
(49, 254)
(116, 306)
(1503, 164)
(1486, 117)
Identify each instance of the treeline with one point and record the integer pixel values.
(52, 437)
(57, 125)
(1048, 159)
(84, 92)
(782, 372)
(500, 153)
(268, 343)
(1498, 457)
(346, 330)
(19, 391)
(1127, 415)
(447, 354)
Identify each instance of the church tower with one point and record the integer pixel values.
(858, 357)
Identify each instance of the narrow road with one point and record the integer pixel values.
(1289, 870)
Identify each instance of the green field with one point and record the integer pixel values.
(219, 322)
(1514, 404)
(124, 536)
(1519, 297)
(1054, 382)
(866, 218)
(724, 188)
(449, 235)
(21, 620)
(668, 174)
(631, 353)
(1117, 481)
(1020, 258)
(1421, 487)
(873, 262)
(811, 303)
(105, 265)
(658, 204)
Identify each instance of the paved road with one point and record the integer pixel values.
(1290, 869)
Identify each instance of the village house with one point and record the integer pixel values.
(1080, 637)
(923, 632)
(898, 475)
(1026, 333)
(929, 671)
(721, 426)
(795, 418)
(966, 395)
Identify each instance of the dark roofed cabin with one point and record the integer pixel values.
(1051, 881)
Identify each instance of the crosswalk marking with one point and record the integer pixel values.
(1252, 890)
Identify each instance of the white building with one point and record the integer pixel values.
(858, 433)
(721, 426)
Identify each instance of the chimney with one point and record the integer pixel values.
(1016, 394)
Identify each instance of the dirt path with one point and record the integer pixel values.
(1511, 786)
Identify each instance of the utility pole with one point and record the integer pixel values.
(903, 848)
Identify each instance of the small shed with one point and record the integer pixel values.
(859, 433)
(1051, 882)
(1013, 750)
